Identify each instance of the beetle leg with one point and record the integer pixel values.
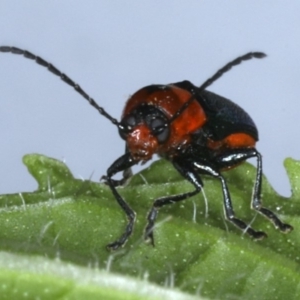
(228, 208)
(188, 173)
(256, 203)
(122, 163)
(127, 174)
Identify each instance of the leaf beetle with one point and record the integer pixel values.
(198, 131)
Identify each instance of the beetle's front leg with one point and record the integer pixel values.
(121, 164)
(127, 174)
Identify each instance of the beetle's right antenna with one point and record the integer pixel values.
(63, 76)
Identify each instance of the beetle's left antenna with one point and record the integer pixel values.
(217, 75)
(228, 67)
(62, 76)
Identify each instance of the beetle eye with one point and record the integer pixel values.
(160, 129)
(129, 121)
(126, 126)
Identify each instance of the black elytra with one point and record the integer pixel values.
(198, 131)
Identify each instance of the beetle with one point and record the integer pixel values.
(198, 131)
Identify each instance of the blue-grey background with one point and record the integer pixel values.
(113, 48)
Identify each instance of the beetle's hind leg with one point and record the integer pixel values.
(239, 155)
(228, 208)
(256, 200)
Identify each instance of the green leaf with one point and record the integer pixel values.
(74, 220)
(25, 277)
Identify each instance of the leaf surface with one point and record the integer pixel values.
(196, 250)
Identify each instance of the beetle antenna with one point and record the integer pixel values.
(217, 75)
(62, 76)
(231, 64)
